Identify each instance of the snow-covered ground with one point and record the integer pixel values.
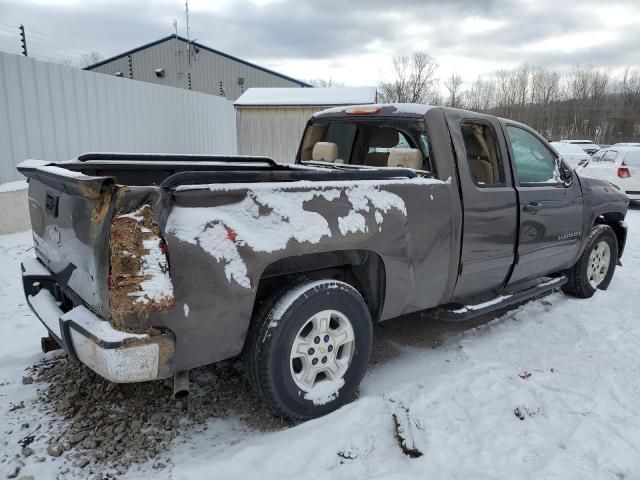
(548, 390)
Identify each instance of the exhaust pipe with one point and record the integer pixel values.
(181, 384)
(49, 344)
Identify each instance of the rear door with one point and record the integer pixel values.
(550, 212)
(489, 203)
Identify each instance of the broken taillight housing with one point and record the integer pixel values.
(139, 274)
(623, 172)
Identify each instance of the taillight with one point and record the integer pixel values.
(623, 172)
(139, 277)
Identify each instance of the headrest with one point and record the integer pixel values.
(406, 158)
(325, 152)
(383, 137)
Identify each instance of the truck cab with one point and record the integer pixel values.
(520, 212)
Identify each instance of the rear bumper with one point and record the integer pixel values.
(118, 356)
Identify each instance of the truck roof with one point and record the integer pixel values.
(377, 109)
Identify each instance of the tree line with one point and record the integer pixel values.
(587, 102)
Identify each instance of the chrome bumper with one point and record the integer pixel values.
(118, 356)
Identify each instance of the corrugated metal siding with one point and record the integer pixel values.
(53, 112)
(207, 70)
(272, 131)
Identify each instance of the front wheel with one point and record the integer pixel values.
(596, 265)
(308, 348)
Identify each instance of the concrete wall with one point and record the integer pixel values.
(207, 70)
(14, 216)
(53, 112)
(272, 131)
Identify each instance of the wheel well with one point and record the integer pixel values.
(614, 220)
(362, 269)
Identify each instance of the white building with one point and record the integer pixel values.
(270, 121)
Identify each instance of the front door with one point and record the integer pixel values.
(550, 211)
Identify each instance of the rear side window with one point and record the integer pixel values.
(483, 155)
(632, 159)
(534, 162)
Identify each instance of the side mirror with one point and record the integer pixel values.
(566, 172)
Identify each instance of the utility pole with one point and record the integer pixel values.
(23, 40)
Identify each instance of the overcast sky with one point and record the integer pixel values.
(351, 41)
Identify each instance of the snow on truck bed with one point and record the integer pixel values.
(548, 390)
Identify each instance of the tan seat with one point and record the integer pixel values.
(325, 152)
(481, 170)
(406, 158)
(381, 137)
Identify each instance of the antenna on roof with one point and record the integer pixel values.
(175, 25)
(186, 12)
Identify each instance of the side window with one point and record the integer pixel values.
(610, 156)
(597, 158)
(483, 156)
(533, 160)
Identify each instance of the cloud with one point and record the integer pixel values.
(356, 37)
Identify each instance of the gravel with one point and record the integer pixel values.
(102, 429)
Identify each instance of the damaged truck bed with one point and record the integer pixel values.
(150, 265)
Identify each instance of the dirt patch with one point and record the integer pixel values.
(408, 430)
(99, 426)
(139, 279)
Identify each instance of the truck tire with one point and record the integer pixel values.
(596, 265)
(308, 348)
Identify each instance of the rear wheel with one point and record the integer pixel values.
(308, 348)
(596, 265)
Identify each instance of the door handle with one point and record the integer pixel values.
(532, 207)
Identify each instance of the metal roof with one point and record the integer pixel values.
(307, 97)
(199, 45)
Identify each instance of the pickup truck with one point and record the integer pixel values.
(147, 266)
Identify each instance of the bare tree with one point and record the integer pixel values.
(587, 102)
(414, 80)
(91, 58)
(325, 83)
(453, 84)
